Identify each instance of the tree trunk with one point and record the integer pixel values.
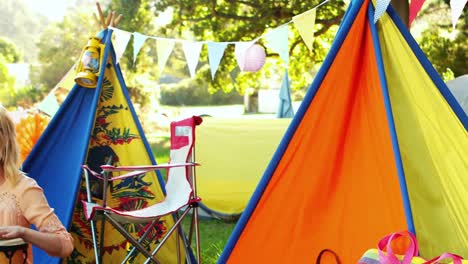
(402, 9)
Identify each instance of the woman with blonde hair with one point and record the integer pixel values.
(22, 203)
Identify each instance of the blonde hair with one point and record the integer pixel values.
(9, 151)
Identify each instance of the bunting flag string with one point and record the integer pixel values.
(164, 49)
(456, 7)
(49, 105)
(414, 8)
(276, 39)
(138, 41)
(215, 54)
(304, 22)
(380, 8)
(192, 55)
(120, 43)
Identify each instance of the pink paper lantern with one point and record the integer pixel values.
(254, 58)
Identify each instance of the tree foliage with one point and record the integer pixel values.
(184, 93)
(240, 20)
(7, 82)
(61, 43)
(447, 49)
(21, 26)
(3, 70)
(9, 51)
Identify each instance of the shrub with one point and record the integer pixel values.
(186, 93)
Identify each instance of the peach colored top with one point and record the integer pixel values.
(26, 204)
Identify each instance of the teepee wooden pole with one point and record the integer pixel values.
(101, 16)
(117, 20)
(110, 20)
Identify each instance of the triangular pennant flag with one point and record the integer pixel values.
(457, 9)
(277, 40)
(239, 52)
(192, 55)
(17, 115)
(120, 42)
(215, 54)
(164, 49)
(305, 25)
(138, 41)
(414, 8)
(49, 105)
(380, 8)
(285, 109)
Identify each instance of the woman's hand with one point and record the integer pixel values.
(11, 232)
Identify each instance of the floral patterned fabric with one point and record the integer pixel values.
(25, 204)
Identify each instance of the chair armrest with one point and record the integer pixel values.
(127, 175)
(148, 167)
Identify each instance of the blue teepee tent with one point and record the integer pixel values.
(285, 109)
(92, 126)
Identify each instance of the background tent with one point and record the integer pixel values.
(378, 145)
(92, 125)
(234, 153)
(459, 88)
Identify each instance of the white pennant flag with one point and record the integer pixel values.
(49, 105)
(120, 42)
(215, 54)
(164, 49)
(192, 55)
(457, 9)
(305, 25)
(138, 41)
(239, 52)
(380, 8)
(277, 40)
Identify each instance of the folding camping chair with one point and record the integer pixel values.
(181, 193)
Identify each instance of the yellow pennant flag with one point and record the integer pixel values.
(305, 25)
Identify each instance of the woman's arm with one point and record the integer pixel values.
(51, 235)
(49, 242)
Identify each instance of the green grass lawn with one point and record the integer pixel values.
(214, 233)
(213, 237)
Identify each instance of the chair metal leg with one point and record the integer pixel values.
(182, 236)
(197, 233)
(192, 226)
(131, 239)
(179, 234)
(95, 245)
(174, 227)
(195, 207)
(93, 227)
(104, 204)
(130, 253)
(103, 223)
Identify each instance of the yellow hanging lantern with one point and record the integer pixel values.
(90, 63)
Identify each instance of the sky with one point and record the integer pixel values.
(53, 9)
